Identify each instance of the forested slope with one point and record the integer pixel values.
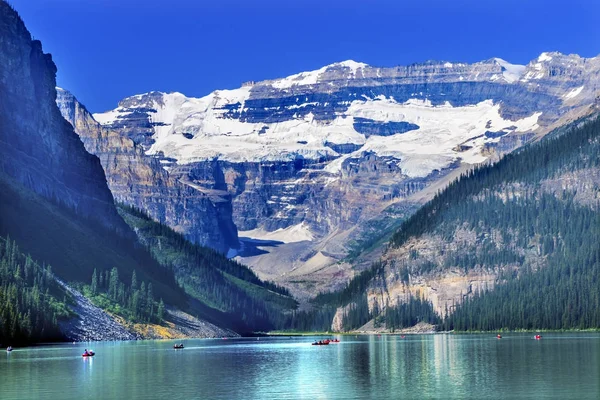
(511, 245)
(227, 292)
(31, 301)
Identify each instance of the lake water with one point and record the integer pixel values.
(560, 366)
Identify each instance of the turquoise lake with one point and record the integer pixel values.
(560, 366)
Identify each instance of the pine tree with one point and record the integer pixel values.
(161, 310)
(94, 286)
(113, 286)
(134, 281)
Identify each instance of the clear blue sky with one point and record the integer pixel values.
(109, 49)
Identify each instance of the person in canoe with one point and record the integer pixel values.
(88, 353)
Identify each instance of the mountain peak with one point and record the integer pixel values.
(511, 72)
(354, 65)
(545, 56)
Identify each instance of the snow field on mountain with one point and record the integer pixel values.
(431, 147)
(295, 233)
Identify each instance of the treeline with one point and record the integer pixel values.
(31, 302)
(320, 318)
(230, 293)
(564, 294)
(410, 313)
(559, 290)
(134, 301)
(575, 149)
(202, 256)
(357, 314)
(74, 245)
(316, 320)
(404, 314)
(353, 290)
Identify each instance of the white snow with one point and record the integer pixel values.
(544, 57)
(441, 128)
(303, 78)
(532, 75)
(512, 72)
(312, 77)
(108, 117)
(573, 93)
(448, 65)
(291, 234)
(353, 65)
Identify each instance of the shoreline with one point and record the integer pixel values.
(401, 332)
(309, 334)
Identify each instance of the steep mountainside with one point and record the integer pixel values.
(224, 291)
(313, 159)
(140, 181)
(512, 245)
(56, 206)
(37, 147)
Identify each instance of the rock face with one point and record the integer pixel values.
(38, 148)
(139, 180)
(313, 158)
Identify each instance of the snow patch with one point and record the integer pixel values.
(312, 77)
(441, 129)
(353, 65)
(573, 93)
(108, 117)
(295, 233)
(301, 79)
(511, 72)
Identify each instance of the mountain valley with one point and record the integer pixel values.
(320, 167)
(437, 195)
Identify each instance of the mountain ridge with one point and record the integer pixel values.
(326, 152)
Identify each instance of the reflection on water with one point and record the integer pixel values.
(421, 366)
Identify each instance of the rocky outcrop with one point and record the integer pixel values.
(91, 323)
(139, 180)
(281, 194)
(430, 266)
(38, 148)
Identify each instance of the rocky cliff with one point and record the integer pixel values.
(139, 180)
(38, 148)
(314, 159)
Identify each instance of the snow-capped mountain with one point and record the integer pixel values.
(391, 111)
(319, 153)
(139, 180)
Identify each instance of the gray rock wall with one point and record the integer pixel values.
(139, 180)
(38, 148)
